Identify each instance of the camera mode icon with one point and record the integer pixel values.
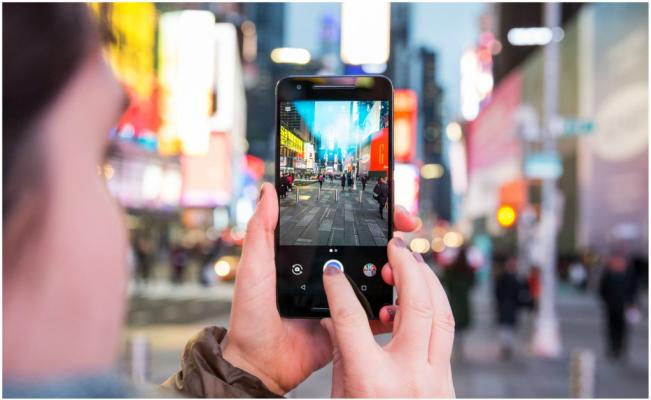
(297, 269)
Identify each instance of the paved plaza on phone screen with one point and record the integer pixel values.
(325, 221)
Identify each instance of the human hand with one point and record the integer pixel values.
(280, 352)
(416, 362)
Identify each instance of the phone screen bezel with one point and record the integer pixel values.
(324, 88)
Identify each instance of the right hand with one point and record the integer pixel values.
(280, 352)
(416, 362)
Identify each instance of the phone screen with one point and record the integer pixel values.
(334, 187)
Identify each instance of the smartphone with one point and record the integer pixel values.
(334, 178)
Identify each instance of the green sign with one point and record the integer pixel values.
(572, 126)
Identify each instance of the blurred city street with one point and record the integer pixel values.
(332, 219)
(520, 138)
(519, 135)
(479, 373)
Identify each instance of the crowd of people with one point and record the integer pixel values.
(515, 292)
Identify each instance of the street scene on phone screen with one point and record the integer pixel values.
(333, 185)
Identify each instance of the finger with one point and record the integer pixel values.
(387, 275)
(255, 284)
(414, 322)
(404, 221)
(385, 321)
(388, 315)
(442, 336)
(259, 239)
(378, 327)
(337, 390)
(348, 316)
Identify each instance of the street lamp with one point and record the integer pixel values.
(290, 55)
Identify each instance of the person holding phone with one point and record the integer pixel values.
(65, 251)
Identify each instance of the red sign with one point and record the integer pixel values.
(514, 193)
(380, 151)
(255, 166)
(142, 114)
(492, 137)
(405, 123)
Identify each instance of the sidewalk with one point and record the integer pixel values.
(177, 313)
(331, 220)
(161, 302)
(481, 373)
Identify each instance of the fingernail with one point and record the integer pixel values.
(418, 257)
(399, 243)
(330, 270)
(392, 313)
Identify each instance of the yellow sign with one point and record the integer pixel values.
(290, 141)
(133, 26)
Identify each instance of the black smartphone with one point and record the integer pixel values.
(334, 178)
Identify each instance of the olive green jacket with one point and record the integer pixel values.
(205, 373)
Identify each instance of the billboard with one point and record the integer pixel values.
(494, 151)
(613, 162)
(405, 124)
(186, 74)
(380, 151)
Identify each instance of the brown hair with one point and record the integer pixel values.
(42, 46)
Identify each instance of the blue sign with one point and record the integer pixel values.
(543, 165)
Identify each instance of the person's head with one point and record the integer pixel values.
(63, 235)
(617, 262)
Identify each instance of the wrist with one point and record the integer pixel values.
(232, 354)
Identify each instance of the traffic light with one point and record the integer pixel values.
(506, 216)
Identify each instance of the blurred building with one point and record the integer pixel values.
(603, 144)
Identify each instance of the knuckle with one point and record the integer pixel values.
(344, 316)
(420, 307)
(446, 321)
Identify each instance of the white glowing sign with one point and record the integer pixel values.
(365, 32)
(186, 75)
(405, 178)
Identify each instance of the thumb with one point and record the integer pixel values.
(259, 238)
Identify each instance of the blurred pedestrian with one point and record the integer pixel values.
(364, 179)
(349, 178)
(179, 258)
(381, 191)
(283, 187)
(343, 181)
(508, 292)
(534, 286)
(615, 290)
(290, 181)
(320, 178)
(577, 274)
(212, 251)
(458, 280)
(144, 254)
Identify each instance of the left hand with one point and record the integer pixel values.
(280, 352)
